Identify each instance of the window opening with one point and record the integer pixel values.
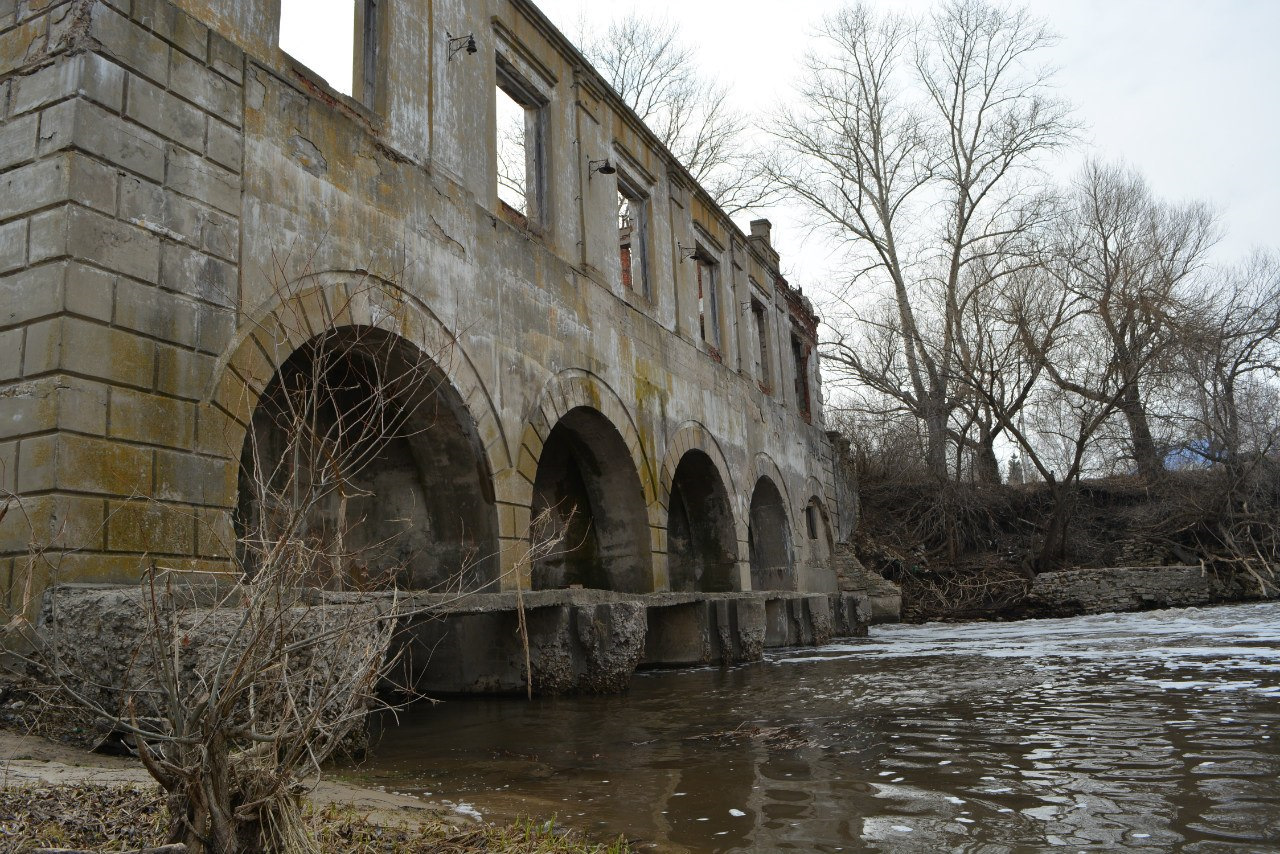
(708, 300)
(763, 374)
(811, 520)
(633, 237)
(321, 34)
(520, 142)
(800, 353)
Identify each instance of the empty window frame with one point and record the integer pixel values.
(337, 39)
(761, 323)
(633, 236)
(708, 299)
(811, 520)
(800, 354)
(521, 146)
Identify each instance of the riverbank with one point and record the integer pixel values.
(55, 795)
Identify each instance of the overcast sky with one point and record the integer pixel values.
(1185, 90)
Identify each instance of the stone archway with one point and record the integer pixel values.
(587, 488)
(701, 542)
(361, 450)
(769, 539)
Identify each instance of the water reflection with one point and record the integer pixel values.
(1142, 732)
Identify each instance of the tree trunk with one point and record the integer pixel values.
(986, 468)
(1145, 456)
(1054, 546)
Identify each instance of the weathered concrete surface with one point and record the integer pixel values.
(589, 641)
(103, 641)
(185, 208)
(1099, 591)
(883, 597)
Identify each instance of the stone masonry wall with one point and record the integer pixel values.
(182, 205)
(120, 156)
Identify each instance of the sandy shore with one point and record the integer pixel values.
(31, 761)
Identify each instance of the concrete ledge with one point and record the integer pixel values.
(579, 641)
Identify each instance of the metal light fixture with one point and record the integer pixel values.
(457, 44)
(690, 253)
(604, 167)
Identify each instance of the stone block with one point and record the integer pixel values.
(149, 418)
(89, 292)
(87, 75)
(157, 313)
(113, 244)
(29, 294)
(11, 354)
(39, 405)
(18, 140)
(9, 466)
(206, 89)
(53, 522)
(182, 373)
(22, 43)
(13, 251)
(116, 355)
(226, 58)
(215, 533)
(130, 43)
(34, 186)
(173, 25)
(88, 127)
(189, 271)
(154, 108)
(191, 479)
(203, 180)
(150, 526)
(83, 464)
(218, 434)
(91, 183)
(223, 145)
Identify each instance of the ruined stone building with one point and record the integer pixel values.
(186, 210)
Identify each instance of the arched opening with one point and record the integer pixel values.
(365, 461)
(818, 529)
(769, 539)
(587, 488)
(701, 546)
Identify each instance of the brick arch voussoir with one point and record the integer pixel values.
(334, 300)
(568, 390)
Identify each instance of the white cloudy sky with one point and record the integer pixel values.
(1183, 89)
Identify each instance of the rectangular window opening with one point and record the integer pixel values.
(322, 35)
(708, 300)
(763, 374)
(633, 237)
(800, 353)
(811, 521)
(520, 143)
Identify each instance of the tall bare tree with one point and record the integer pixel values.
(913, 142)
(1130, 257)
(1228, 338)
(658, 75)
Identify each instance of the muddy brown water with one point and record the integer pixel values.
(1156, 731)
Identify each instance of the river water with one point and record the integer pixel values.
(1155, 731)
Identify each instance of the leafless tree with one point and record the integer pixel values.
(913, 143)
(658, 75)
(1228, 340)
(1130, 258)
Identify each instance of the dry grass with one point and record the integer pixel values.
(122, 818)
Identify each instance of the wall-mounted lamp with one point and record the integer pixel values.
(460, 43)
(604, 167)
(691, 253)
